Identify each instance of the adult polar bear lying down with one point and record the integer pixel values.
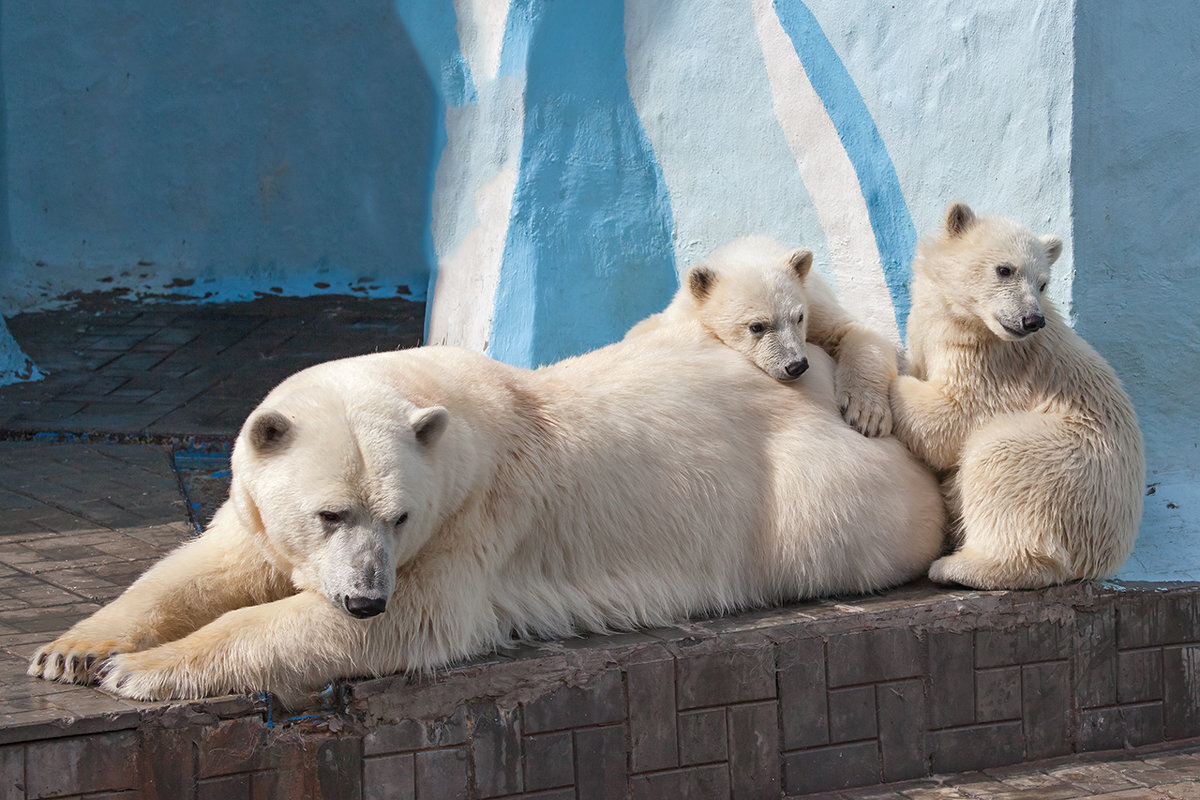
(402, 510)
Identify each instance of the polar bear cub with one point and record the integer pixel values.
(761, 298)
(1038, 442)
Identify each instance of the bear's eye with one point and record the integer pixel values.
(800, 320)
(1042, 288)
(332, 517)
(1004, 271)
(403, 518)
(757, 327)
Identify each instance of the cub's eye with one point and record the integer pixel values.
(1042, 288)
(403, 518)
(332, 517)
(1004, 271)
(757, 327)
(800, 320)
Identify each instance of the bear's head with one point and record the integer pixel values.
(989, 271)
(750, 295)
(343, 487)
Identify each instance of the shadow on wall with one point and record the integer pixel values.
(215, 152)
(1136, 186)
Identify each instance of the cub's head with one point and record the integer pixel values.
(345, 488)
(750, 295)
(989, 271)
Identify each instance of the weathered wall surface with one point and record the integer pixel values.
(212, 151)
(1135, 174)
(544, 171)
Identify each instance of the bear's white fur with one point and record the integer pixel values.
(1038, 442)
(635, 485)
(761, 298)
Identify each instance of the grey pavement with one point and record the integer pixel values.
(1157, 773)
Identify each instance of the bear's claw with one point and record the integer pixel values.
(867, 417)
(71, 660)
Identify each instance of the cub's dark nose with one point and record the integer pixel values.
(796, 368)
(1033, 322)
(363, 607)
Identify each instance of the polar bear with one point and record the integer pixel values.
(1038, 441)
(760, 298)
(400, 511)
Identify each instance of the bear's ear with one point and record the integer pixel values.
(269, 432)
(700, 280)
(800, 262)
(959, 217)
(429, 424)
(1053, 246)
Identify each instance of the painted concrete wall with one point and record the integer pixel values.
(212, 150)
(548, 169)
(1135, 174)
(788, 118)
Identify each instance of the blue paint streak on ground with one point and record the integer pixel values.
(589, 248)
(432, 26)
(895, 235)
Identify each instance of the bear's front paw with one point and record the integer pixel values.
(867, 411)
(148, 675)
(73, 659)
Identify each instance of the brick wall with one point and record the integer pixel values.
(783, 702)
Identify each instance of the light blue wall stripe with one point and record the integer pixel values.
(589, 248)
(895, 235)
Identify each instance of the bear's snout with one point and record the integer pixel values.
(1033, 322)
(796, 368)
(364, 607)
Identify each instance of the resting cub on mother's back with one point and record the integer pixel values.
(400, 511)
(1039, 442)
(761, 298)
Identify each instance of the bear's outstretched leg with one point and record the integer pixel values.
(930, 424)
(286, 646)
(196, 583)
(866, 360)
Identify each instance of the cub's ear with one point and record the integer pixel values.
(1053, 246)
(959, 217)
(800, 262)
(700, 280)
(269, 432)
(429, 424)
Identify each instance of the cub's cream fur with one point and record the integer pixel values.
(400, 511)
(1038, 442)
(761, 298)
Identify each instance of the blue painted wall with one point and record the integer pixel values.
(1135, 177)
(216, 149)
(895, 236)
(588, 252)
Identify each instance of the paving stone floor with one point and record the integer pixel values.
(1150, 774)
(165, 370)
(117, 456)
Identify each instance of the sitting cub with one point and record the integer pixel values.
(1037, 441)
(759, 297)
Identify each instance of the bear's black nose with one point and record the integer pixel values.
(796, 368)
(363, 607)
(1033, 322)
